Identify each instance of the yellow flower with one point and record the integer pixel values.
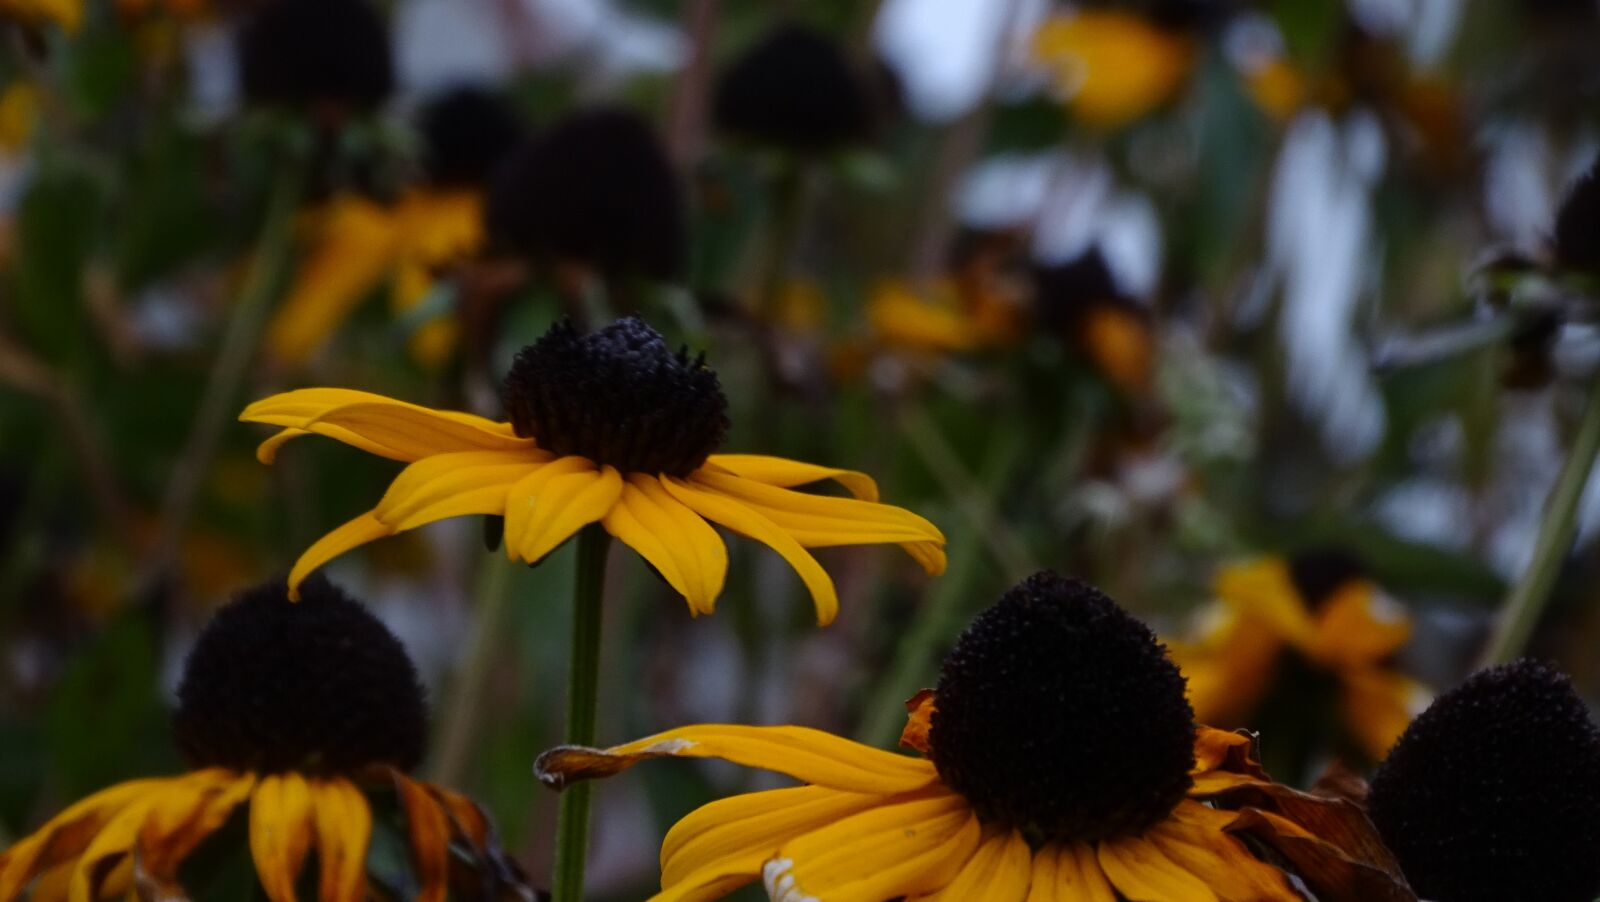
(940, 320)
(66, 13)
(356, 243)
(607, 428)
(1339, 624)
(281, 719)
(1061, 763)
(19, 113)
(1112, 67)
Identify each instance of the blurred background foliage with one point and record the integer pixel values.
(1134, 291)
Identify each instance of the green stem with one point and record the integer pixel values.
(583, 683)
(788, 211)
(232, 363)
(1532, 592)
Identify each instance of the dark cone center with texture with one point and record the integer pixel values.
(1493, 793)
(619, 397)
(315, 686)
(1060, 715)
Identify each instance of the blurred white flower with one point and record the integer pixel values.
(947, 52)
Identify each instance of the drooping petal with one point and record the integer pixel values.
(1263, 590)
(899, 849)
(343, 824)
(97, 869)
(428, 835)
(452, 485)
(280, 832)
(1378, 705)
(354, 246)
(66, 835)
(399, 430)
(178, 823)
(1194, 837)
(811, 756)
(360, 531)
(999, 871)
(545, 507)
(1141, 872)
(738, 517)
(682, 547)
(786, 474)
(724, 844)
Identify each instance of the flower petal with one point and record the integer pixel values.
(452, 485)
(359, 531)
(898, 849)
(818, 521)
(280, 832)
(1141, 872)
(179, 822)
(998, 872)
(1263, 590)
(733, 837)
(398, 430)
(343, 824)
(353, 248)
(786, 474)
(1193, 836)
(545, 507)
(682, 547)
(808, 755)
(96, 871)
(1068, 872)
(740, 518)
(1358, 626)
(66, 835)
(428, 835)
(1378, 705)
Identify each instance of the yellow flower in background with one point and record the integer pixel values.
(66, 13)
(608, 428)
(19, 113)
(1319, 607)
(941, 319)
(354, 244)
(292, 715)
(1059, 762)
(1110, 67)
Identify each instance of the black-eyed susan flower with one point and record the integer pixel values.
(292, 716)
(794, 89)
(611, 428)
(1111, 67)
(596, 190)
(1493, 793)
(1061, 761)
(1315, 612)
(355, 242)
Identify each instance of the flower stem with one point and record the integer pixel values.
(1532, 591)
(583, 683)
(464, 715)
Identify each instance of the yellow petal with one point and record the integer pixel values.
(428, 834)
(1378, 705)
(359, 531)
(898, 849)
(1111, 66)
(1263, 590)
(998, 872)
(1358, 626)
(722, 845)
(1068, 872)
(315, 410)
(354, 247)
(1193, 837)
(111, 847)
(818, 521)
(280, 832)
(66, 835)
(179, 822)
(808, 755)
(786, 474)
(1141, 872)
(343, 825)
(686, 551)
(545, 507)
(738, 517)
(452, 485)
